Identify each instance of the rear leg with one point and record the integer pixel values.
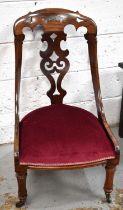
(110, 171)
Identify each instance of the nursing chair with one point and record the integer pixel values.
(60, 136)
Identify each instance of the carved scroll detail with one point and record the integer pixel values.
(60, 66)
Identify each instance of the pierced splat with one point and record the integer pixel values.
(60, 65)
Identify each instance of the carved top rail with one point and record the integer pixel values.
(53, 19)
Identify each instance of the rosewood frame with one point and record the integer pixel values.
(54, 20)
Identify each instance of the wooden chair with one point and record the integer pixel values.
(60, 136)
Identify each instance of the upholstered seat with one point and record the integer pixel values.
(62, 135)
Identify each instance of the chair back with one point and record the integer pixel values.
(53, 22)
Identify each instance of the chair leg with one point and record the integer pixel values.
(108, 186)
(22, 192)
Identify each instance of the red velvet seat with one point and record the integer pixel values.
(62, 135)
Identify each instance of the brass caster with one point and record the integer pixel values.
(20, 203)
(108, 197)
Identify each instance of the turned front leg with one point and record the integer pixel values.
(108, 186)
(22, 192)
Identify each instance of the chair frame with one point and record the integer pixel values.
(54, 20)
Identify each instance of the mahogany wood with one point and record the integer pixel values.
(61, 62)
(110, 171)
(21, 173)
(52, 22)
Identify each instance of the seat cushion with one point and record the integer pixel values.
(62, 135)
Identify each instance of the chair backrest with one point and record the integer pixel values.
(53, 22)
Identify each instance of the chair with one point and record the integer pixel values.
(61, 136)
